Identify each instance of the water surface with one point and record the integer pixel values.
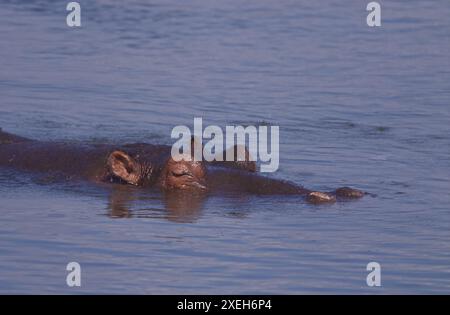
(360, 106)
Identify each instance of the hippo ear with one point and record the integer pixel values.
(124, 166)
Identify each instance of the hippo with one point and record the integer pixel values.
(149, 165)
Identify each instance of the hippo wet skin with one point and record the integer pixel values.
(149, 165)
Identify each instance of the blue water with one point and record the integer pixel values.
(360, 106)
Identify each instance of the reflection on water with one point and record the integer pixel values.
(119, 202)
(356, 106)
(179, 206)
(183, 206)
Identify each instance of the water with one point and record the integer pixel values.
(357, 106)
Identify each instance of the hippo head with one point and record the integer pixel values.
(183, 173)
(175, 174)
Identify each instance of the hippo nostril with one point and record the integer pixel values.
(178, 174)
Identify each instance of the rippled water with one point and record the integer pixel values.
(360, 106)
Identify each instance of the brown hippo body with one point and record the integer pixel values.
(81, 161)
(148, 165)
(71, 160)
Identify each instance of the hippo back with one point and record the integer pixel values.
(7, 138)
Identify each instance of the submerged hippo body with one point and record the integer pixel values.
(148, 165)
(90, 162)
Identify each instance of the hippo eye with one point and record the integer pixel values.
(180, 173)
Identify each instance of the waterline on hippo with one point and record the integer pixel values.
(147, 165)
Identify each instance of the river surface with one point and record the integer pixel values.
(360, 106)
